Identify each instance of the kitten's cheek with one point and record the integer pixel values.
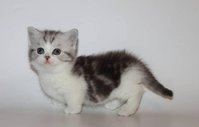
(40, 61)
(54, 61)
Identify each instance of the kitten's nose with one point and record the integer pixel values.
(47, 57)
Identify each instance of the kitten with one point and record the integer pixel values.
(115, 79)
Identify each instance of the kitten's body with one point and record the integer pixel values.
(114, 79)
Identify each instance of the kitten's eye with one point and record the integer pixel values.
(56, 51)
(40, 51)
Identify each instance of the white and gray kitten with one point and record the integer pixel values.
(115, 79)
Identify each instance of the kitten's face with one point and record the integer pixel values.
(51, 48)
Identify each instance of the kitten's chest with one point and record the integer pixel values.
(56, 85)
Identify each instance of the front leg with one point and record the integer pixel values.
(74, 103)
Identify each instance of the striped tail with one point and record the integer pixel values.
(152, 84)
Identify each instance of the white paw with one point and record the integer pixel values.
(126, 111)
(69, 110)
(112, 105)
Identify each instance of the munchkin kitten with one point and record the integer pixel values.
(115, 79)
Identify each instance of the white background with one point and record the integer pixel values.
(164, 33)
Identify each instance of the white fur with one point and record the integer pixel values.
(59, 84)
(114, 104)
(130, 91)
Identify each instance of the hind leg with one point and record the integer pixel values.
(131, 105)
(114, 104)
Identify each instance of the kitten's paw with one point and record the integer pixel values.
(126, 111)
(112, 105)
(70, 110)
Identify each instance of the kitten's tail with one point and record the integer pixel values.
(152, 84)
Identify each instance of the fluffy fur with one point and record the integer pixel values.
(115, 79)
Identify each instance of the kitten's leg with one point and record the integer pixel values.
(114, 104)
(74, 104)
(132, 105)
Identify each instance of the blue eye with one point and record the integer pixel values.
(40, 51)
(56, 51)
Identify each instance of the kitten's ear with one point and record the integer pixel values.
(72, 37)
(33, 34)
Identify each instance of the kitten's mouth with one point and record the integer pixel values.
(47, 62)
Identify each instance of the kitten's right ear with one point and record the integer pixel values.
(33, 34)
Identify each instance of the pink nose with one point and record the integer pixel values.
(47, 57)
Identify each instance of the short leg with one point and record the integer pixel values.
(73, 109)
(114, 104)
(74, 104)
(131, 106)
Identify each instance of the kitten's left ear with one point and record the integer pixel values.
(34, 34)
(72, 37)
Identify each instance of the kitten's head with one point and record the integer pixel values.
(51, 48)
